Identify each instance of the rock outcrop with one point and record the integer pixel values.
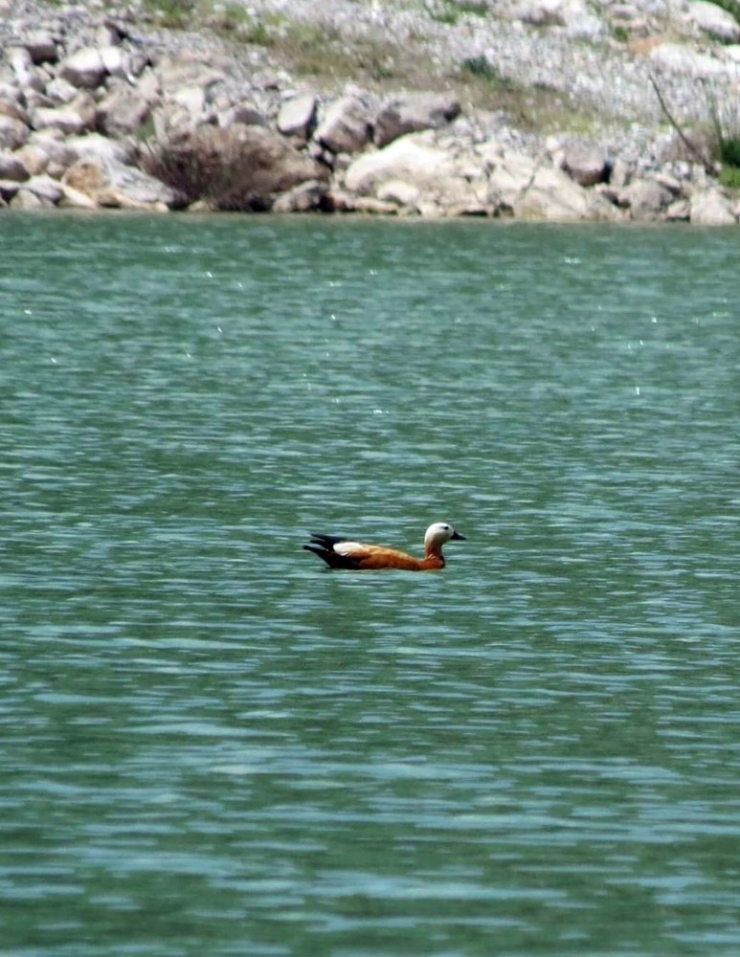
(101, 111)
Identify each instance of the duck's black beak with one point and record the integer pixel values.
(456, 536)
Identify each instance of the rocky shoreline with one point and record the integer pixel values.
(529, 109)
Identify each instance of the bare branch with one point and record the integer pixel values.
(684, 138)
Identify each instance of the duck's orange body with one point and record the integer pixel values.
(340, 552)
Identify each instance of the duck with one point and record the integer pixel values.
(339, 552)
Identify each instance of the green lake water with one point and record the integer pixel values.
(211, 745)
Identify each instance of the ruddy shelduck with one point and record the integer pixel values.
(339, 552)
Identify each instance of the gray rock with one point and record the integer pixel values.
(709, 207)
(99, 147)
(122, 112)
(21, 62)
(84, 69)
(115, 61)
(371, 206)
(586, 165)
(509, 172)
(74, 199)
(10, 94)
(407, 160)
(245, 113)
(108, 34)
(60, 91)
(180, 114)
(137, 62)
(441, 181)
(576, 17)
(627, 16)
(192, 99)
(178, 71)
(679, 211)
(8, 189)
(33, 158)
(11, 106)
(538, 13)
(714, 21)
(681, 59)
(148, 85)
(620, 173)
(26, 199)
(413, 112)
(48, 149)
(42, 46)
(73, 119)
(308, 196)
(553, 196)
(112, 184)
(399, 192)
(12, 167)
(346, 127)
(297, 116)
(13, 132)
(647, 199)
(45, 188)
(670, 183)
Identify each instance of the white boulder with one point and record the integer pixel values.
(297, 115)
(714, 21)
(708, 207)
(114, 184)
(85, 68)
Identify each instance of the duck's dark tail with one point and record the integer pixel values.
(323, 546)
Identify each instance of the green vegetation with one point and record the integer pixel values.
(448, 11)
(479, 66)
(728, 153)
(726, 147)
(621, 33)
(175, 14)
(730, 177)
(729, 150)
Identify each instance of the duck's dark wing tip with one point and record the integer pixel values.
(325, 554)
(322, 545)
(326, 541)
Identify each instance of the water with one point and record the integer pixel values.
(212, 745)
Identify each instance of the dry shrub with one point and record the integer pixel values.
(236, 169)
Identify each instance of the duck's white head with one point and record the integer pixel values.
(439, 533)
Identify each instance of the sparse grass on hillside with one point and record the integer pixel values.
(318, 49)
(450, 11)
(174, 14)
(234, 21)
(538, 107)
(381, 62)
